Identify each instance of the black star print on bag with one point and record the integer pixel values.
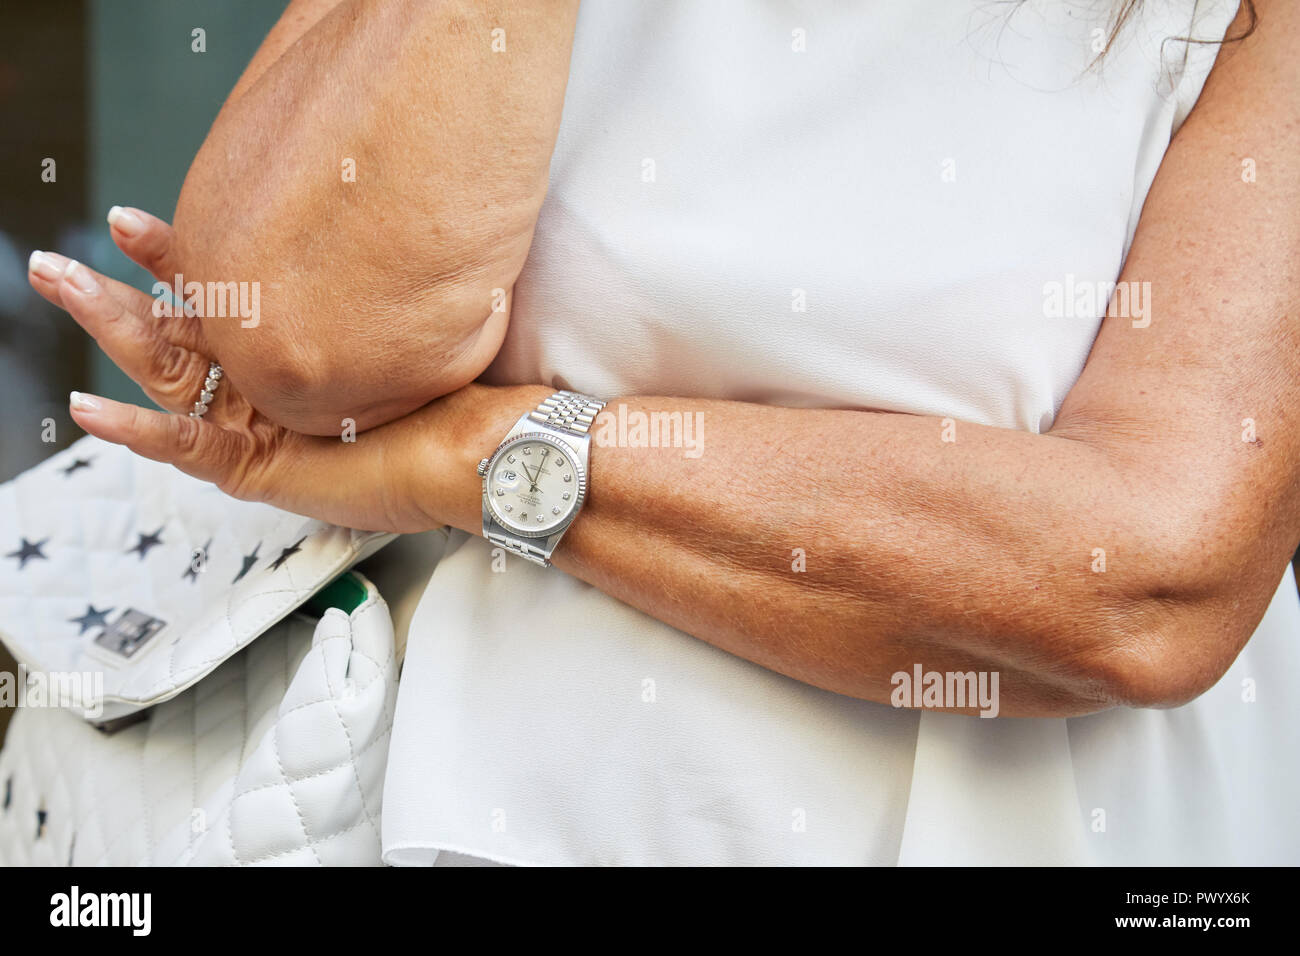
(91, 618)
(28, 551)
(249, 561)
(146, 542)
(287, 553)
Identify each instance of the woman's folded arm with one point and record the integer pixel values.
(377, 174)
(1122, 558)
(1175, 460)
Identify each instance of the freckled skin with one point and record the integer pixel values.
(376, 294)
(929, 561)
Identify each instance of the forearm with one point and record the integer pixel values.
(387, 148)
(299, 17)
(414, 94)
(972, 554)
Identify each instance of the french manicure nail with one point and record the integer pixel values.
(125, 221)
(42, 265)
(81, 278)
(83, 402)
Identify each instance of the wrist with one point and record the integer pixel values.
(470, 425)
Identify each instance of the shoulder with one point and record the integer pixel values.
(1256, 74)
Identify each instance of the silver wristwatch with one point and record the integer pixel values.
(535, 482)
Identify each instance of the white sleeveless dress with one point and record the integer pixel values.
(919, 171)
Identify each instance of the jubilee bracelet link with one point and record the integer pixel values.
(568, 411)
(521, 547)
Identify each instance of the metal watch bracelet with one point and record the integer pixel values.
(570, 413)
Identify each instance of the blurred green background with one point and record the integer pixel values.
(114, 93)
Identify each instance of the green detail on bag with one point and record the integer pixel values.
(346, 592)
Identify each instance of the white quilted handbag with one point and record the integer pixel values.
(278, 756)
(246, 681)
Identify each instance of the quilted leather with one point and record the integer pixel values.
(97, 530)
(277, 757)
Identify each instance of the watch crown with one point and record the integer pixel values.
(482, 467)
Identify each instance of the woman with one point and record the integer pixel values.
(872, 251)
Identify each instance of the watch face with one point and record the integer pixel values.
(534, 484)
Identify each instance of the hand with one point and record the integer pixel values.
(532, 478)
(371, 483)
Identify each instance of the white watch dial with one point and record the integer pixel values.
(533, 485)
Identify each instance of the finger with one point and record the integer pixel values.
(197, 447)
(290, 476)
(146, 240)
(45, 273)
(161, 354)
(317, 477)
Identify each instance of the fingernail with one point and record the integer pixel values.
(42, 265)
(125, 221)
(82, 402)
(81, 278)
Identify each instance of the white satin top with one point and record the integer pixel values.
(917, 173)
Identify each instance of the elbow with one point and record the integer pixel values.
(1192, 602)
(353, 383)
(1162, 665)
(315, 391)
(324, 352)
(291, 387)
(319, 363)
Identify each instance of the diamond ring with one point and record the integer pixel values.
(209, 389)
